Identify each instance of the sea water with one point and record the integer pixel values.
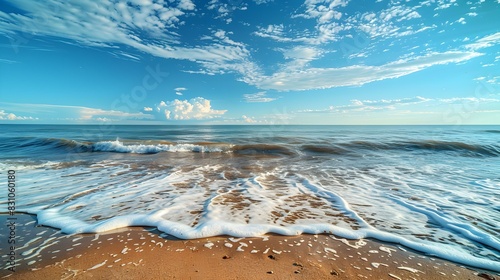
(435, 189)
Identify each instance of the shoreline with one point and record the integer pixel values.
(44, 253)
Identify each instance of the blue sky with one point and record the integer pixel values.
(250, 62)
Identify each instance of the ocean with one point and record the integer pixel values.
(434, 189)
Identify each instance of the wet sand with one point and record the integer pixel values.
(132, 253)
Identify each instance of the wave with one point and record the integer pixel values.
(153, 147)
(428, 145)
(323, 149)
(120, 147)
(199, 147)
(299, 147)
(262, 149)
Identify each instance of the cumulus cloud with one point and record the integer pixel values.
(186, 5)
(12, 117)
(148, 109)
(323, 11)
(196, 108)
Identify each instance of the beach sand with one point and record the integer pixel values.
(144, 253)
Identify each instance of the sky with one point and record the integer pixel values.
(268, 62)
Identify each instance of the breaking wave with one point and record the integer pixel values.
(335, 148)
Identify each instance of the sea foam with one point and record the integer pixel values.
(120, 147)
(272, 201)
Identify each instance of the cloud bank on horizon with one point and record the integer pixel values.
(250, 62)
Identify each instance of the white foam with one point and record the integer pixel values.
(216, 228)
(466, 230)
(273, 200)
(120, 147)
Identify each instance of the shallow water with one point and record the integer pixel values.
(430, 188)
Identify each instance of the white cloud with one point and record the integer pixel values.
(258, 2)
(275, 32)
(115, 25)
(196, 108)
(300, 56)
(7, 61)
(224, 9)
(52, 112)
(485, 42)
(356, 75)
(103, 120)
(445, 4)
(221, 34)
(324, 33)
(469, 99)
(148, 109)
(12, 117)
(403, 105)
(397, 20)
(302, 53)
(461, 20)
(323, 10)
(371, 105)
(248, 119)
(186, 5)
(390, 102)
(179, 90)
(103, 24)
(203, 72)
(111, 24)
(127, 55)
(258, 97)
(92, 113)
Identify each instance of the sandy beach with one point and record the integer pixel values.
(131, 253)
